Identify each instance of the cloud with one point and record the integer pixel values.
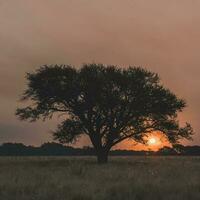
(161, 35)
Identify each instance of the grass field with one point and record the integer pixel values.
(80, 178)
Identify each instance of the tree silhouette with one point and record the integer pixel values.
(107, 103)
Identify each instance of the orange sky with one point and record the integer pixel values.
(160, 35)
(160, 142)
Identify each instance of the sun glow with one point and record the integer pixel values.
(152, 141)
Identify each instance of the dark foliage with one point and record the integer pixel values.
(107, 103)
(46, 149)
(55, 149)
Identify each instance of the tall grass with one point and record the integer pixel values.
(80, 178)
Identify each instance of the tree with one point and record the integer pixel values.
(107, 103)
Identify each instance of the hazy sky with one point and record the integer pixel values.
(161, 35)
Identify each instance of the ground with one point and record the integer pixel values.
(80, 178)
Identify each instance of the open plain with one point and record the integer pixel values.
(81, 178)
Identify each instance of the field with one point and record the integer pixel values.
(80, 178)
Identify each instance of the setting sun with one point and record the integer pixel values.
(152, 141)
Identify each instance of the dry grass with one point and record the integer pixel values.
(124, 178)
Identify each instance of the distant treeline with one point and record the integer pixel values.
(55, 149)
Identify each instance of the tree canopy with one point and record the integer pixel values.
(107, 103)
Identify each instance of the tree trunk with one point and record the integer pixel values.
(102, 157)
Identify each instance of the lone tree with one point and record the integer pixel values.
(107, 103)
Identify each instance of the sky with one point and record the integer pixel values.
(160, 35)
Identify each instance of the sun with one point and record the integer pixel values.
(152, 141)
